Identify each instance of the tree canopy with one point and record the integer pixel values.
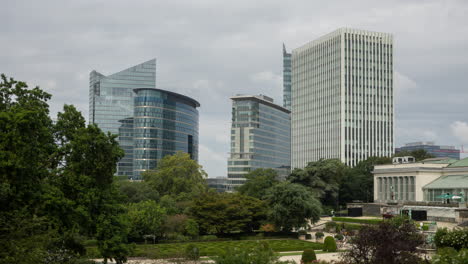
(258, 182)
(227, 212)
(292, 206)
(177, 175)
(322, 177)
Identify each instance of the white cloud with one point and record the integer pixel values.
(403, 83)
(460, 130)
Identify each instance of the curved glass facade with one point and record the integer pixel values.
(164, 123)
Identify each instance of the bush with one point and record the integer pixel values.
(329, 245)
(319, 235)
(308, 256)
(425, 227)
(329, 226)
(339, 237)
(192, 252)
(357, 220)
(457, 238)
(450, 256)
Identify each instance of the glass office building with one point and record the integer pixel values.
(433, 149)
(164, 123)
(260, 138)
(111, 104)
(286, 79)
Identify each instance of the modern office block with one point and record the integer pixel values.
(164, 122)
(342, 97)
(432, 148)
(260, 138)
(286, 79)
(111, 103)
(218, 183)
(125, 165)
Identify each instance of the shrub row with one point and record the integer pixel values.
(457, 238)
(357, 220)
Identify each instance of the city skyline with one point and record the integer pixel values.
(213, 62)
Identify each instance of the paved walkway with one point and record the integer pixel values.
(323, 256)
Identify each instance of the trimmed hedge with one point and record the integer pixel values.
(357, 220)
(329, 245)
(308, 256)
(168, 250)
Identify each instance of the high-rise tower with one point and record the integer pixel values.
(286, 79)
(342, 97)
(111, 105)
(260, 138)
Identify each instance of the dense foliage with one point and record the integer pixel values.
(292, 206)
(227, 212)
(450, 256)
(258, 182)
(386, 243)
(329, 244)
(177, 175)
(259, 254)
(56, 182)
(308, 256)
(457, 238)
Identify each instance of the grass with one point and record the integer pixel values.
(212, 248)
(357, 220)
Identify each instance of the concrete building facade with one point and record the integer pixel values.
(423, 181)
(342, 97)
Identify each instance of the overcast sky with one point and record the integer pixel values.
(211, 50)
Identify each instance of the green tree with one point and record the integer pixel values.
(227, 212)
(146, 218)
(137, 191)
(358, 182)
(418, 154)
(323, 177)
(258, 182)
(82, 197)
(177, 175)
(26, 147)
(292, 206)
(386, 243)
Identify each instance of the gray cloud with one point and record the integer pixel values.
(214, 49)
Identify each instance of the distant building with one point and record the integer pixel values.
(421, 181)
(286, 79)
(431, 148)
(218, 183)
(111, 104)
(260, 138)
(164, 122)
(342, 97)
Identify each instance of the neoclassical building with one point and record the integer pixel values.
(421, 181)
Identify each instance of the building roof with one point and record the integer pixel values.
(459, 163)
(182, 97)
(443, 160)
(260, 99)
(449, 182)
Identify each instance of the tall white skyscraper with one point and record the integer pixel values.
(342, 97)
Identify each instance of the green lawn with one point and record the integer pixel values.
(357, 220)
(213, 248)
